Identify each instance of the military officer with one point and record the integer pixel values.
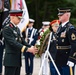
(65, 43)
(14, 44)
(31, 37)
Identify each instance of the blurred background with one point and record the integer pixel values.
(46, 10)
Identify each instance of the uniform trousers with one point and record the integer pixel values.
(75, 70)
(12, 70)
(29, 62)
(1, 57)
(64, 70)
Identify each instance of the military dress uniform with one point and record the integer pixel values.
(65, 45)
(31, 37)
(52, 46)
(43, 46)
(13, 45)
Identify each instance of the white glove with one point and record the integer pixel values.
(70, 64)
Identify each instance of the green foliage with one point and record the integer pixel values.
(73, 21)
(46, 10)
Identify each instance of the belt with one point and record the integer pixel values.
(63, 47)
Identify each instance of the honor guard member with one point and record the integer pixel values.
(65, 43)
(52, 49)
(31, 36)
(43, 46)
(14, 44)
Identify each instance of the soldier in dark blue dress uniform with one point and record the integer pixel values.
(31, 37)
(65, 43)
(52, 49)
(14, 44)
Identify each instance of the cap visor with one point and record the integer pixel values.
(60, 14)
(20, 17)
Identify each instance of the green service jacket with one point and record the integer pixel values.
(13, 45)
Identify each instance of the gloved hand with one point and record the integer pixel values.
(70, 64)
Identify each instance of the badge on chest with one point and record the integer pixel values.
(63, 34)
(14, 32)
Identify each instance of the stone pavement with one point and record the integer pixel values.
(36, 67)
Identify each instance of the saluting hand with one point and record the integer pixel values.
(32, 49)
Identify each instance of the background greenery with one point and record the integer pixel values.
(46, 10)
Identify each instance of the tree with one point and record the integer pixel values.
(46, 10)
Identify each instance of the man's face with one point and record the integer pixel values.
(30, 24)
(46, 26)
(62, 17)
(15, 19)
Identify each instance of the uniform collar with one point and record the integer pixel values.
(30, 28)
(63, 24)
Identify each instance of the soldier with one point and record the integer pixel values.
(14, 44)
(43, 46)
(31, 37)
(65, 43)
(52, 49)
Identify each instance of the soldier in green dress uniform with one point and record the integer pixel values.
(14, 44)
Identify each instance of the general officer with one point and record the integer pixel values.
(65, 43)
(31, 37)
(14, 44)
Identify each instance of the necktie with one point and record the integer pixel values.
(60, 27)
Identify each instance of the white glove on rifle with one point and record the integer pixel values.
(70, 64)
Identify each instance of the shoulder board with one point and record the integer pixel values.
(71, 27)
(7, 25)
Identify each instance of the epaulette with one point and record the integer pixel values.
(7, 25)
(71, 27)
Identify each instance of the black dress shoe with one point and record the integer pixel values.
(0, 73)
(30, 74)
(27, 74)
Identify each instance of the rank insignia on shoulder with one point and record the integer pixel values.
(7, 25)
(73, 37)
(71, 27)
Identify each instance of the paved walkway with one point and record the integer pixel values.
(36, 67)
